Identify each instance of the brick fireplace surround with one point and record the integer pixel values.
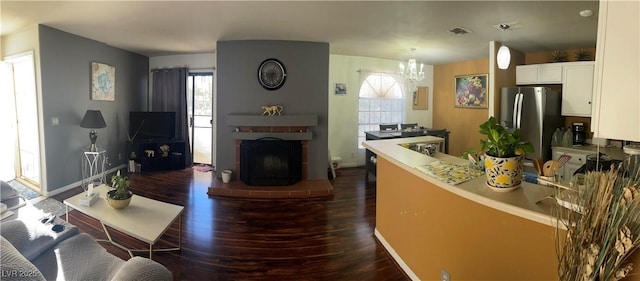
(252, 127)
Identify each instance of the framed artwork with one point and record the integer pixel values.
(341, 89)
(421, 98)
(103, 82)
(471, 91)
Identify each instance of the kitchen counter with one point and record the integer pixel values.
(614, 152)
(524, 202)
(468, 230)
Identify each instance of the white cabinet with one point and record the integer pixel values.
(547, 73)
(526, 74)
(576, 79)
(577, 160)
(550, 73)
(577, 88)
(616, 100)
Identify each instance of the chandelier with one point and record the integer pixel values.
(411, 73)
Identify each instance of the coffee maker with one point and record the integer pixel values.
(579, 136)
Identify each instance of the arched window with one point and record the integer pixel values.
(381, 102)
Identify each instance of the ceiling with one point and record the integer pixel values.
(380, 29)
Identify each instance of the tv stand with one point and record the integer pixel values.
(151, 157)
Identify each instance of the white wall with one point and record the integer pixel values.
(343, 109)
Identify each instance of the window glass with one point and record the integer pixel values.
(381, 102)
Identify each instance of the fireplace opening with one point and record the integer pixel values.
(270, 161)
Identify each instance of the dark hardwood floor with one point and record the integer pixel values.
(261, 239)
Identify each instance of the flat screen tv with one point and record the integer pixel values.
(147, 126)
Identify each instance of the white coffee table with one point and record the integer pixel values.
(144, 219)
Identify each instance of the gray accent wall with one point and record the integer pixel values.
(305, 92)
(65, 61)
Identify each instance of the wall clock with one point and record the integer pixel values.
(271, 74)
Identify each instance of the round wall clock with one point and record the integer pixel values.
(271, 74)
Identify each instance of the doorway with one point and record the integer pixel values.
(23, 127)
(200, 109)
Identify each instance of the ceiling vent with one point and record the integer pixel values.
(459, 30)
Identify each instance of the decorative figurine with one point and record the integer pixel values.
(272, 110)
(165, 150)
(150, 153)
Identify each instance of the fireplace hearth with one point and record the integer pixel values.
(270, 162)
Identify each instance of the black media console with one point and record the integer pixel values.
(151, 156)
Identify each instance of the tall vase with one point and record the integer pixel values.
(503, 174)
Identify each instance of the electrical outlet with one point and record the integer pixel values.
(119, 156)
(444, 275)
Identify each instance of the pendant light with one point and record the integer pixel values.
(504, 55)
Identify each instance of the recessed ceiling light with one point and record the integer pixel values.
(586, 13)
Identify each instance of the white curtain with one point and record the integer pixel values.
(7, 123)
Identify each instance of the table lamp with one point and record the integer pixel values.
(93, 120)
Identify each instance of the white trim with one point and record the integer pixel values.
(492, 77)
(77, 183)
(395, 255)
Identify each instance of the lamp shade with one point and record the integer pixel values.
(504, 57)
(93, 120)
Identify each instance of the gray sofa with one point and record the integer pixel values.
(33, 250)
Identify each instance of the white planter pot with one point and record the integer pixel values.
(503, 174)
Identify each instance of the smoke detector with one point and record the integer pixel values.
(459, 30)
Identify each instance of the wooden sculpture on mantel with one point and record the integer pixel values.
(272, 110)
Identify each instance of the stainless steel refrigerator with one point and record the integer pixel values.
(536, 111)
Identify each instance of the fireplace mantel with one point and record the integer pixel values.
(285, 127)
(272, 121)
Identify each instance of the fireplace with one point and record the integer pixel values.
(270, 161)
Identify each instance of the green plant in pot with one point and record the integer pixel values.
(120, 196)
(504, 153)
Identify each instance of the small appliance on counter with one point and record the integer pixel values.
(579, 136)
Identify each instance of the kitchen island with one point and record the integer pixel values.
(469, 230)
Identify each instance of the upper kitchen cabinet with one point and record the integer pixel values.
(577, 88)
(546, 73)
(616, 113)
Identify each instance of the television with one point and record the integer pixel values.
(147, 126)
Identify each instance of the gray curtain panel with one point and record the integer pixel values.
(169, 94)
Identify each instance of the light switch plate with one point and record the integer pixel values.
(55, 121)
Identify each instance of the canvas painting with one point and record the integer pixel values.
(103, 82)
(471, 91)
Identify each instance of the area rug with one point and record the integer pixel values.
(25, 192)
(47, 205)
(51, 206)
(203, 168)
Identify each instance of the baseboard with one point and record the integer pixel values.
(77, 183)
(395, 256)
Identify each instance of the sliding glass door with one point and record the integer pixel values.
(200, 109)
(26, 117)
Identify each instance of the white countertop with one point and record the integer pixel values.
(526, 202)
(614, 152)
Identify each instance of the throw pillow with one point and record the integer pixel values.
(7, 191)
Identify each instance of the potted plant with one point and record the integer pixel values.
(120, 196)
(504, 152)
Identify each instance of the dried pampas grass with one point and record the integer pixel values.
(600, 239)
